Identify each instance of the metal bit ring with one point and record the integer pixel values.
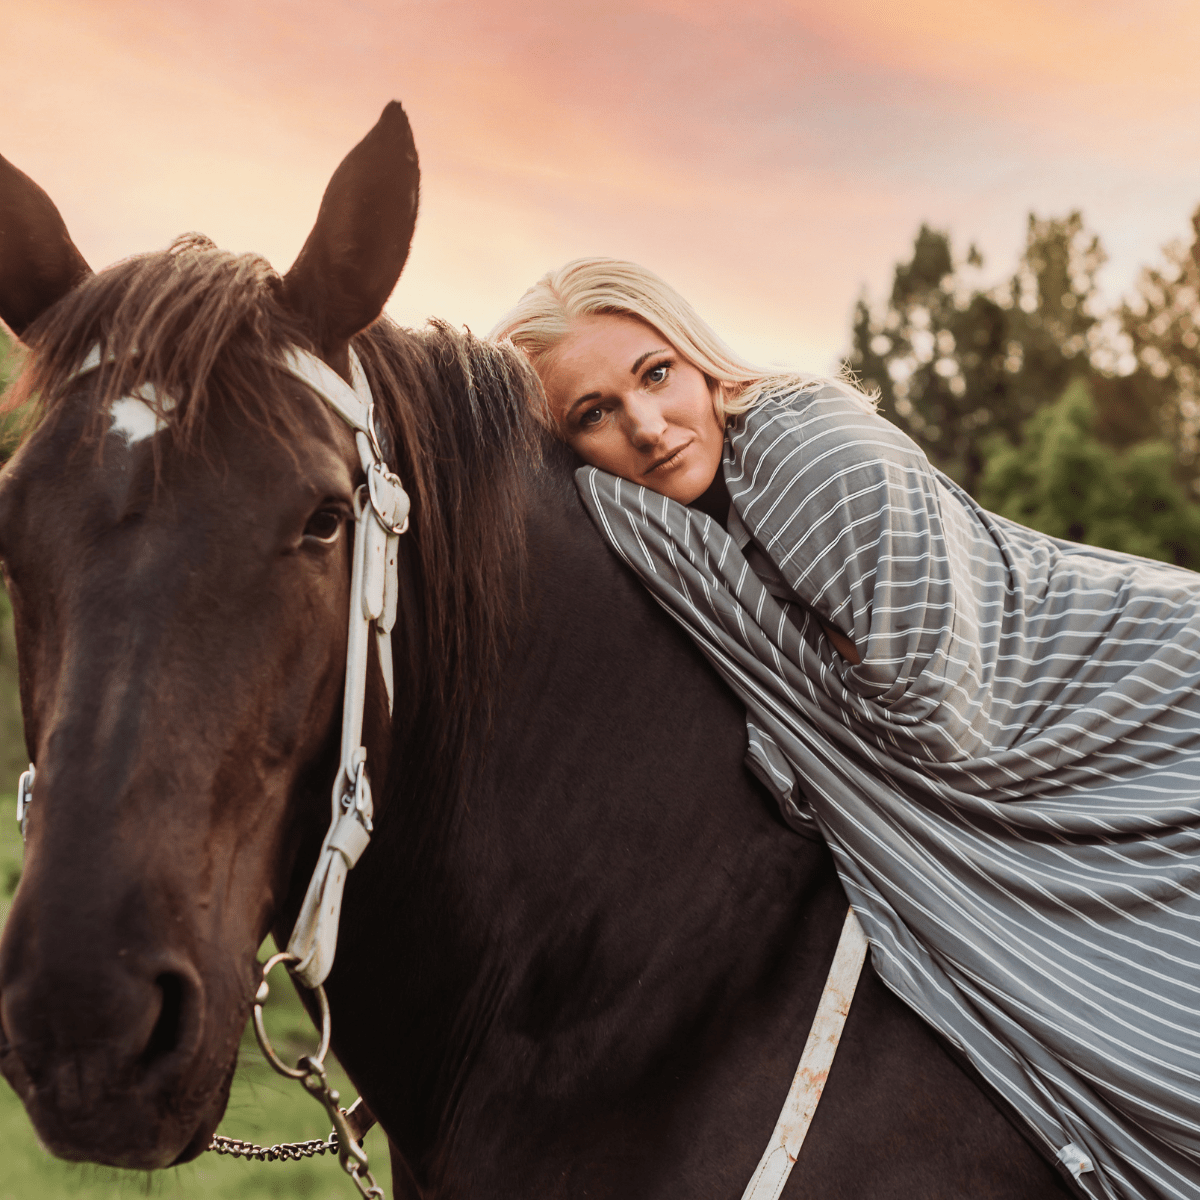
(260, 1030)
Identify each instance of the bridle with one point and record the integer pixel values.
(381, 509)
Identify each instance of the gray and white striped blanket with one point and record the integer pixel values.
(1010, 780)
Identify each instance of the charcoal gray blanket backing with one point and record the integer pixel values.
(1009, 781)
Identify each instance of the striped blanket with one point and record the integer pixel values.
(1009, 781)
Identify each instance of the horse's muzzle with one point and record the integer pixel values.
(107, 1061)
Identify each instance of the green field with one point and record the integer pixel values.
(263, 1108)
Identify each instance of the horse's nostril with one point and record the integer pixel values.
(167, 1034)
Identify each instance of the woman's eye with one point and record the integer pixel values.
(324, 525)
(593, 416)
(658, 373)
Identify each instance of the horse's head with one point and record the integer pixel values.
(179, 573)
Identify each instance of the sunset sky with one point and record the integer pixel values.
(771, 158)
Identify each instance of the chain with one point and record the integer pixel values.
(281, 1152)
(351, 1155)
(310, 1071)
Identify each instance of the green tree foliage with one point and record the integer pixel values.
(956, 364)
(1161, 326)
(10, 359)
(1080, 423)
(1065, 482)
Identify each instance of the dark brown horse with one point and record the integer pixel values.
(581, 955)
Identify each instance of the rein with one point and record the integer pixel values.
(381, 509)
(808, 1084)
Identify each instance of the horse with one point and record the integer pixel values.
(582, 953)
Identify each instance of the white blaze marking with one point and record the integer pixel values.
(138, 416)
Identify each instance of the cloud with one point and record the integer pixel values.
(769, 158)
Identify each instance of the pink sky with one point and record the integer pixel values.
(770, 157)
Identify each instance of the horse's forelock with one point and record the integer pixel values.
(196, 321)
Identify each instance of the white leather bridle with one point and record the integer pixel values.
(381, 508)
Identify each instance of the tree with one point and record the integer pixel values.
(956, 365)
(1064, 481)
(12, 739)
(1163, 334)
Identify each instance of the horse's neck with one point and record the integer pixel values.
(610, 925)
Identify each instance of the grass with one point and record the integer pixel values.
(263, 1107)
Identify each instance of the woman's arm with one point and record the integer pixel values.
(861, 529)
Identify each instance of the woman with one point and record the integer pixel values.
(997, 733)
(638, 385)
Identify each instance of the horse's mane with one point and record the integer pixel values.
(209, 327)
(460, 418)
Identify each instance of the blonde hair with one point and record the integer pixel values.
(594, 286)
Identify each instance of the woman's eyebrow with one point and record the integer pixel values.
(582, 400)
(649, 354)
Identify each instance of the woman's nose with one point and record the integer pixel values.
(646, 423)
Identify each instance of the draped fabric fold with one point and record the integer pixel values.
(1009, 780)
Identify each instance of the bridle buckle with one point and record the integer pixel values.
(388, 498)
(24, 798)
(357, 797)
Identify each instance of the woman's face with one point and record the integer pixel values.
(626, 401)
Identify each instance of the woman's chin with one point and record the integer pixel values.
(686, 487)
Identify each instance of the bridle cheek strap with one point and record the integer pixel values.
(381, 514)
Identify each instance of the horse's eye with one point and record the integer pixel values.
(324, 525)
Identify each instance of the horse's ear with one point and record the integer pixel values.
(39, 263)
(356, 251)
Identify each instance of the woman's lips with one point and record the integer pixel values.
(668, 459)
